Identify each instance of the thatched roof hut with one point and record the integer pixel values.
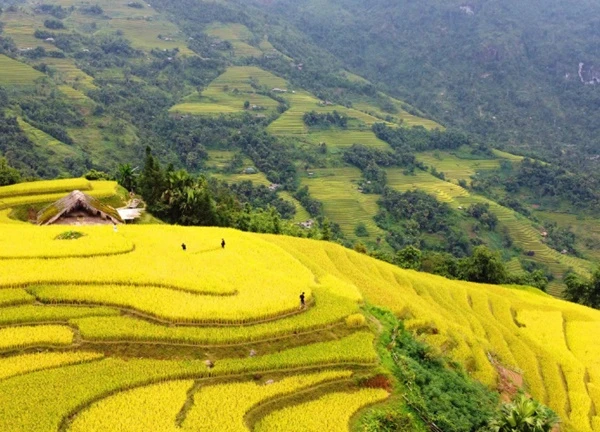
(75, 207)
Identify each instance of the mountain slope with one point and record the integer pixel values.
(149, 314)
(506, 71)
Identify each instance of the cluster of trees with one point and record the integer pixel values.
(418, 139)
(481, 212)
(312, 206)
(8, 174)
(550, 180)
(56, 11)
(325, 120)
(539, 183)
(20, 152)
(371, 162)
(270, 156)
(178, 197)
(414, 218)
(482, 265)
(560, 238)
(583, 291)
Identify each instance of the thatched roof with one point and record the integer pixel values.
(77, 200)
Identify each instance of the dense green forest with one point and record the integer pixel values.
(505, 71)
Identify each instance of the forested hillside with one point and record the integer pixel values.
(522, 75)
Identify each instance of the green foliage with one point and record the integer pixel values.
(361, 230)
(483, 266)
(55, 10)
(418, 139)
(97, 175)
(409, 258)
(536, 278)
(561, 239)
(481, 212)
(524, 415)
(586, 292)
(270, 156)
(152, 181)
(388, 420)
(325, 120)
(54, 24)
(127, 177)
(8, 174)
(312, 206)
(415, 218)
(438, 388)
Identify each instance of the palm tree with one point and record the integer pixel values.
(524, 415)
(126, 176)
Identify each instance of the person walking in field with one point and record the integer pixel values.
(223, 243)
(183, 246)
(302, 303)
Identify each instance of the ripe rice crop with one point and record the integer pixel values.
(45, 187)
(329, 309)
(14, 296)
(329, 413)
(151, 408)
(18, 337)
(23, 241)
(26, 363)
(216, 407)
(173, 305)
(522, 328)
(248, 266)
(223, 407)
(37, 402)
(39, 313)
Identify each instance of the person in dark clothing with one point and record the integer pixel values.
(183, 246)
(302, 303)
(223, 243)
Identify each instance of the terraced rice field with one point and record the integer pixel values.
(143, 33)
(227, 93)
(70, 74)
(521, 230)
(15, 73)
(526, 330)
(239, 36)
(455, 168)
(401, 116)
(20, 25)
(93, 337)
(301, 102)
(52, 190)
(346, 138)
(337, 189)
(45, 143)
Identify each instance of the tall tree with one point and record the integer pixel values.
(152, 180)
(126, 176)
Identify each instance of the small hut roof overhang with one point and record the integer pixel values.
(74, 201)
